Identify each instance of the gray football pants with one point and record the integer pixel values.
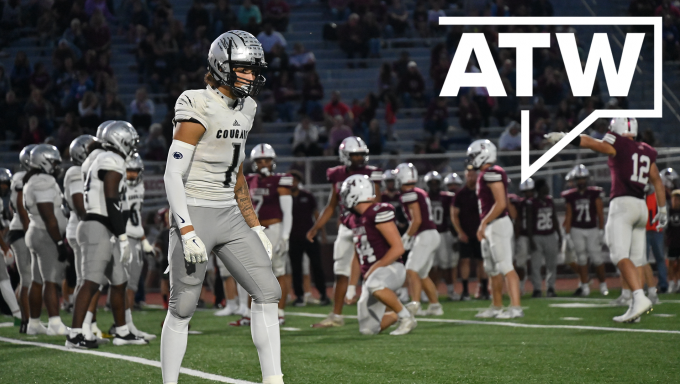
(547, 247)
(44, 251)
(225, 233)
(23, 259)
(134, 267)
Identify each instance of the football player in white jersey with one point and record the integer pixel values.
(16, 239)
(105, 219)
(44, 238)
(211, 206)
(5, 283)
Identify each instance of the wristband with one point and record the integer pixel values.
(351, 292)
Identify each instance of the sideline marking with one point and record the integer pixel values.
(514, 325)
(132, 359)
(581, 305)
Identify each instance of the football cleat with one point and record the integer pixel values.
(299, 302)
(621, 301)
(58, 330)
(282, 320)
(550, 293)
(671, 287)
(635, 310)
(406, 325)
(603, 289)
(242, 310)
(80, 342)
(654, 298)
(537, 293)
(129, 339)
(453, 296)
(309, 299)
(226, 311)
(586, 290)
(434, 309)
(242, 322)
(578, 292)
(324, 301)
(489, 313)
(413, 307)
(511, 313)
(332, 320)
(465, 297)
(144, 335)
(36, 329)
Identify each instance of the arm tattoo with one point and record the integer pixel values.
(242, 195)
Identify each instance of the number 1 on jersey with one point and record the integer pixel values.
(236, 149)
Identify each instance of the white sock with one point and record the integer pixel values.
(638, 293)
(122, 331)
(10, 299)
(264, 328)
(276, 379)
(651, 291)
(70, 299)
(242, 295)
(55, 321)
(233, 303)
(625, 293)
(75, 331)
(404, 313)
(87, 326)
(173, 346)
(603, 285)
(282, 313)
(34, 322)
(129, 323)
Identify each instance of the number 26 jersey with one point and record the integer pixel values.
(219, 153)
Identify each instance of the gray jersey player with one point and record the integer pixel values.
(211, 206)
(5, 283)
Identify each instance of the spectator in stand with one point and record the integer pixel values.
(353, 39)
(90, 110)
(306, 137)
(510, 139)
(469, 117)
(74, 35)
(536, 136)
(42, 109)
(374, 138)
(12, 116)
(103, 73)
(506, 107)
(277, 63)
(436, 118)
(191, 64)
(667, 9)
(600, 130)
(438, 73)
(94, 6)
(155, 147)
(312, 94)
(142, 109)
(565, 111)
(336, 107)
(249, 17)
(167, 51)
(373, 33)
(400, 67)
(68, 131)
(34, 134)
(284, 93)
(197, 16)
(338, 133)
(648, 137)
(539, 111)
(223, 18)
(82, 84)
(397, 19)
(11, 19)
(277, 12)
(302, 60)
(339, 9)
(365, 113)
(5, 83)
(671, 39)
(47, 28)
(549, 85)
(269, 38)
(588, 108)
(139, 15)
(433, 16)
(387, 81)
(21, 75)
(41, 80)
(542, 8)
(98, 34)
(112, 109)
(421, 20)
(412, 86)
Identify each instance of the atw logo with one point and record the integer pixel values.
(581, 80)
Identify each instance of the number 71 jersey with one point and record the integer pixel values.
(583, 208)
(219, 153)
(630, 166)
(135, 199)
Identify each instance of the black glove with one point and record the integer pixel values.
(63, 252)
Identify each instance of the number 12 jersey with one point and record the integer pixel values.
(630, 166)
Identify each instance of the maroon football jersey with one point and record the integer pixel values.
(542, 215)
(466, 201)
(523, 206)
(337, 175)
(369, 243)
(486, 201)
(673, 230)
(420, 196)
(441, 203)
(265, 195)
(629, 168)
(583, 210)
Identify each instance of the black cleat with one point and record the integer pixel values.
(465, 297)
(324, 301)
(537, 293)
(578, 292)
(23, 326)
(129, 339)
(551, 293)
(80, 342)
(299, 302)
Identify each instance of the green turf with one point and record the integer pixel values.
(433, 353)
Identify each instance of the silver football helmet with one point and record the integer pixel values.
(527, 185)
(406, 173)
(481, 152)
(135, 163)
(100, 128)
(237, 49)
(263, 151)
(453, 178)
(356, 189)
(350, 146)
(624, 125)
(120, 136)
(78, 148)
(669, 177)
(46, 158)
(25, 157)
(432, 175)
(5, 175)
(580, 172)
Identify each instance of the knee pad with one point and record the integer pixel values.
(184, 305)
(490, 267)
(504, 267)
(581, 259)
(639, 260)
(270, 294)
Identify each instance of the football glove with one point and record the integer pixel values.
(194, 249)
(408, 241)
(661, 218)
(147, 248)
(62, 251)
(568, 241)
(554, 137)
(263, 238)
(281, 247)
(351, 292)
(125, 249)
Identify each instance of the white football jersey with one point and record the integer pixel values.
(43, 188)
(135, 198)
(95, 201)
(73, 183)
(16, 186)
(211, 177)
(88, 162)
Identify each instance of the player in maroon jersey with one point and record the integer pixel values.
(584, 228)
(353, 154)
(673, 242)
(495, 230)
(421, 238)
(542, 226)
(273, 204)
(390, 194)
(377, 256)
(522, 205)
(445, 265)
(632, 165)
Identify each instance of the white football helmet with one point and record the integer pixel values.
(121, 136)
(406, 173)
(135, 163)
(5, 176)
(388, 175)
(624, 125)
(481, 152)
(46, 158)
(432, 175)
(100, 128)
(453, 178)
(25, 157)
(78, 148)
(527, 185)
(580, 171)
(356, 189)
(237, 49)
(263, 151)
(352, 145)
(669, 177)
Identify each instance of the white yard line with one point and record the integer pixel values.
(513, 325)
(132, 359)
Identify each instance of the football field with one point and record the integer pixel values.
(561, 340)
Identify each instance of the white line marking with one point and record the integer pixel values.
(663, 315)
(514, 325)
(3, 325)
(132, 359)
(290, 329)
(580, 305)
(571, 318)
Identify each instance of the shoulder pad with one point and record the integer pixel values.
(191, 105)
(285, 180)
(408, 197)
